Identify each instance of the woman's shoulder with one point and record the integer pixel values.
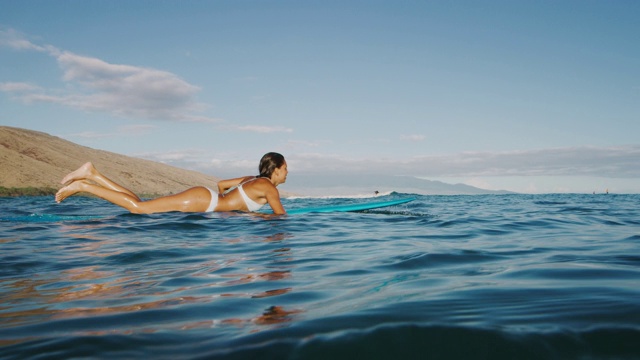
(261, 183)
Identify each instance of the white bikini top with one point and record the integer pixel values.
(251, 205)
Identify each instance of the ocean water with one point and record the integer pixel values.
(442, 277)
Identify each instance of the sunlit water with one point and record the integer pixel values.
(509, 276)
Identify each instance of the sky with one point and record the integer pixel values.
(528, 96)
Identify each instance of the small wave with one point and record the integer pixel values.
(397, 341)
(427, 260)
(406, 213)
(412, 341)
(544, 202)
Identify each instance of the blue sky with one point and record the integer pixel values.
(528, 96)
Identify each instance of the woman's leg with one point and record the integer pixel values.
(119, 198)
(196, 199)
(89, 172)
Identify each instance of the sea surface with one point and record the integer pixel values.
(443, 277)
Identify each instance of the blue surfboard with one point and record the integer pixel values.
(36, 218)
(349, 207)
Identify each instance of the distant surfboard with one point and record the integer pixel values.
(349, 207)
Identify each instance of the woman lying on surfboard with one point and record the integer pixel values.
(247, 193)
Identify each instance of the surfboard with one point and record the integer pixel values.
(349, 207)
(36, 218)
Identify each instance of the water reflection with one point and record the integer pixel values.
(106, 289)
(280, 268)
(248, 278)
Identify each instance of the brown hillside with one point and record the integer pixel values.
(35, 159)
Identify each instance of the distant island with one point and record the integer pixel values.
(363, 184)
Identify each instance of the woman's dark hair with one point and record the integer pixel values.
(270, 162)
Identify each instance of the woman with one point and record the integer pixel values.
(247, 193)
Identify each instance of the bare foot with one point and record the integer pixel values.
(83, 172)
(69, 190)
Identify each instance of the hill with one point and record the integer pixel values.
(35, 162)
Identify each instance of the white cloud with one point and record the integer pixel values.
(135, 129)
(18, 41)
(91, 135)
(622, 162)
(301, 144)
(128, 130)
(127, 90)
(18, 87)
(263, 129)
(97, 85)
(122, 90)
(184, 158)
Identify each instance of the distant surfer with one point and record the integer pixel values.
(248, 193)
(376, 193)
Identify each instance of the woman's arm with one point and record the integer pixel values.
(273, 199)
(224, 185)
